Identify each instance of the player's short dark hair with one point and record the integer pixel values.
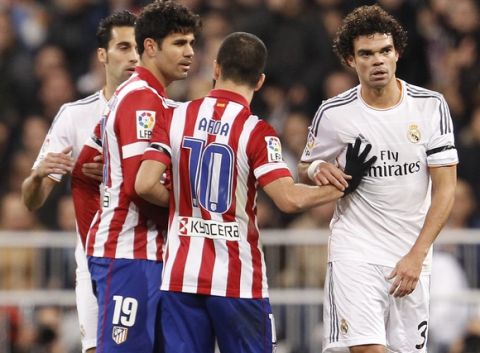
(364, 21)
(242, 58)
(161, 18)
(117, 19)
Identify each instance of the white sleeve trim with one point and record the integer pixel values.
(134, 149)
(266, 168)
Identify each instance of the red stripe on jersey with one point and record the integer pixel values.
(176, 281)
(234, 270)
(92, 234)
(205, 274)
(140, 238)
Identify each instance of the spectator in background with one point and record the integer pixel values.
(18, 266)
(468, 143)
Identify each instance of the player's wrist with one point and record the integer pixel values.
(313, 169)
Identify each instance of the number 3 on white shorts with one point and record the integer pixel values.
(125, 311)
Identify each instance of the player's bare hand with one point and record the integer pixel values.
(405, 275)
(328, 174)
(56, 163)
(94, 169)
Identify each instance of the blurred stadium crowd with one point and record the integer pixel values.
(48, 58)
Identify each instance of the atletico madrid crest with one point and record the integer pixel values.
(119, 334)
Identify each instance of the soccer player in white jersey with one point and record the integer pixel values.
(214, 282)
(380, 248)
(69, 131)
(125, 241)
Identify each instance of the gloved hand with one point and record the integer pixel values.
(356, 164)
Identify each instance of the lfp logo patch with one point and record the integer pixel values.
(145, 124)
(274, 149)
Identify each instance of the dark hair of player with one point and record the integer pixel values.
(162, 18)
(242, 58)
(364, 21)
(117, 19)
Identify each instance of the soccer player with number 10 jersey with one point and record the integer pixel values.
(214, 281)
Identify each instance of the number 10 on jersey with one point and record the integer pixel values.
(211, 174)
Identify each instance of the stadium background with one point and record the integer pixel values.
(47, 58)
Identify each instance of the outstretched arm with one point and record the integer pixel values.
(290, 197)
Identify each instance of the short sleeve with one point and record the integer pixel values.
(159, 149)
(58, 138)
(441, 146)
(265, 154)
(322, 140)
(136, 117)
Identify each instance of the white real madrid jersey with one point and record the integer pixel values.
(381, 220)
(72, 126)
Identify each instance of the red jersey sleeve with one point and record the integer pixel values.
(159, 148)
(265, 154)
(136, 117)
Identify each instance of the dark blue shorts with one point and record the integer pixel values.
(128, 294)
(192, 322)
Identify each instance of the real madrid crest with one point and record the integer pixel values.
(414, 134)
(344, 326)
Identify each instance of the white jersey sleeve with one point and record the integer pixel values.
(59, 136)
(441, 146)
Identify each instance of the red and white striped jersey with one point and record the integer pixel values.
(219, 153)
(127, 226)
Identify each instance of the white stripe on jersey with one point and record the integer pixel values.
(220, 268)
(267, 168)
(134, 149)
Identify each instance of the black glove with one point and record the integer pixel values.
(356, 165)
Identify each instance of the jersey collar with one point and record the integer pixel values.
(152, 81)
(229, 95)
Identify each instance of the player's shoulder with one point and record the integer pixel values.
(338, 103)
(80, 108)
(420, 93)
(84, 102)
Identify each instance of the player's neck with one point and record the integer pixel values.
(245, 91)
(109, 90)
(384, 97)
(150, 66)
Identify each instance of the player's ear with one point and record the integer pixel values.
(261, 81)
(150, 46)
(216, 70)
(102, 55)
(350, 61)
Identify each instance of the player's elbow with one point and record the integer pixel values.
(289, 203)
(142, 188)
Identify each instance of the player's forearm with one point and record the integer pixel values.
(156, 194)
(443, 195)
(34, 191)
(307, 196)
(302, 168)
(291, 198)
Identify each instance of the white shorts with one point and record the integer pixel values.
(358, 310)
(87, 306)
